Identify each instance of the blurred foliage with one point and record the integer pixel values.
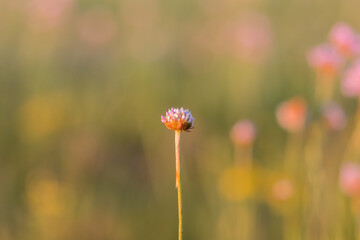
(84, 82)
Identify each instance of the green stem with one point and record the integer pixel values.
(178, 182)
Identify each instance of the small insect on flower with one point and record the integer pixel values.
(178, 119)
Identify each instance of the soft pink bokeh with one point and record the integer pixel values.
(334, 116)
(96, 27)
(251, 36)
(283, 189)
(243, 133)
(291, 115)
(345, 40)
(350, 179)
(325, 60)
(48, 13)
(351, 81)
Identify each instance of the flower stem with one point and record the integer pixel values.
(352, 150)
(178, 182)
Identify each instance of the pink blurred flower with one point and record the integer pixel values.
(291, 115)
(283, 190)
(334, 116)
(345, 40)
(49, 13)
(325, 60)
(243, 133)
(252, 37)
(351, 82)
(350, 179)
(97, 27)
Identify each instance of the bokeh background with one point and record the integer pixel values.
(84, 155)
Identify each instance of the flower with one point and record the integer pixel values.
(344, 39)
(351, 82)
(243, 133)
(283, 189)
(325, 60)
(350, 179)
(334, 116)
(291, 114)
(252, 37)
(48, 13)
(178, 119)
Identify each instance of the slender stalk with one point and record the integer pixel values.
(324, 88)
(245, 209)
(352, 149)
(178, 182)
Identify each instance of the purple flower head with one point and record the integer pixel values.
(345, 40)
(351, 82)
(325, 60)
(178, 119)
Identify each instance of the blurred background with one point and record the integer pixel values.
(84, 155)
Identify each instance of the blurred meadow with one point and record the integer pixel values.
(275, 153)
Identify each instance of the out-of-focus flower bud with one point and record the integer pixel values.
(334, 116)
(291, 115)
(345, 40)
(243, 133)
(325, 60)
(351, 82)
(350, 179)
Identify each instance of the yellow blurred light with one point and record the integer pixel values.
(236, 184)
(41, 116)
(47, 200)
(44, 195)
